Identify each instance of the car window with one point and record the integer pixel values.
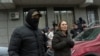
(4, 55)
(93, 34)
(88, 34)
(4, 51)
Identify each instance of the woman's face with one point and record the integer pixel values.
(63, 26)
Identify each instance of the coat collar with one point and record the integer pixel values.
(60, 33)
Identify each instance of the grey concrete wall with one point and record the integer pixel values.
(80, 12)
(12, 24)
(42, 23)
(3, 28)
(7, 25)
(50, 15)
(99, 13)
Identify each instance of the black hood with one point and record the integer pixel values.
(33, 22)
(80, 19)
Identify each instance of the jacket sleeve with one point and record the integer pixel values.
(70, 42)
(14, 45)
(57, 45)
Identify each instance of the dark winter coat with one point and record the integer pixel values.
(75, 32)
(80, 23)
(62, 44)
(26, 42)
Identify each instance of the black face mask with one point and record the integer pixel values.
(33, 22)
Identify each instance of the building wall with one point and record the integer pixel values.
(7, 26)
(50, 15)
(80, 12)
(99, 13)
(3, 28)
(12, 24)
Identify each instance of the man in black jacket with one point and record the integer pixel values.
(27, 40)
(81, 24)
(75, 31)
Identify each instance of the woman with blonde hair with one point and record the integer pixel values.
(62, 42)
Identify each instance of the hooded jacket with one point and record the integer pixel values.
(27, 40)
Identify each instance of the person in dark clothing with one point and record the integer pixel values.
(54, 24)
(62, 42)
(75, 31)
(45, 38)
(81, 20)
(27, 40)
(81, 23)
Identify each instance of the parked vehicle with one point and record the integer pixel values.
(4, 51)
(87, 43)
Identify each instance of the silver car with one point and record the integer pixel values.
(4, 51)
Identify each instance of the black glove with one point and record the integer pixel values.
(70, 43)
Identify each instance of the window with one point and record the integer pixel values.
(92, 15)
(64, 14)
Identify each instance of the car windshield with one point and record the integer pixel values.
(89, 34)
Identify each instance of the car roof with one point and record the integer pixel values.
(3, 50)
